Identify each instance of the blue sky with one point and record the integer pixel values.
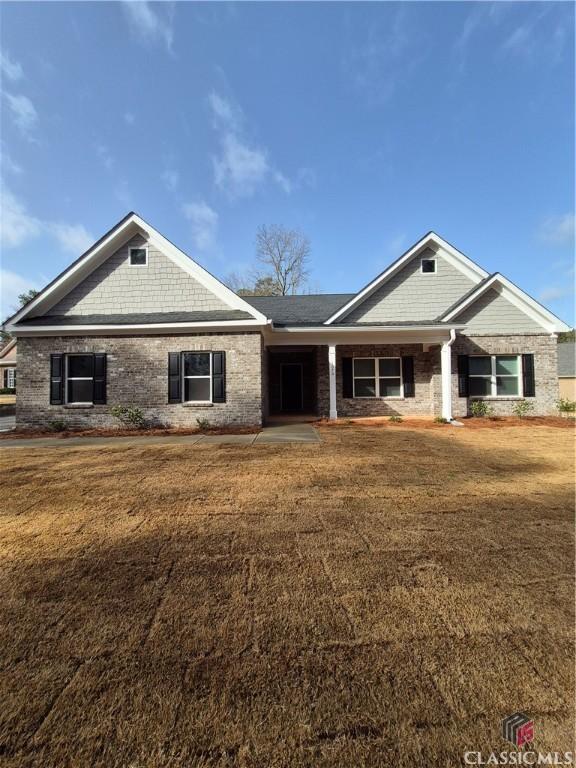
(363, 125)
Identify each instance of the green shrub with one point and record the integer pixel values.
(565, 405)
(203, 424)
(129, 415)
(522, 408)
(56, 425)
(395, 419)
(440, 420)
(7, 390)
(481, 409)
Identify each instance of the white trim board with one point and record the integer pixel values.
(516, 296)
(431, 240)
(109, 244)
(133, 329)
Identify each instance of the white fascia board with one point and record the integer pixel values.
(519, 299)
(136, 329)
(64, 283)
(362, 328)
(198, 273)
(120, 234)
(11, 344)
(451, 254)
(326, 335)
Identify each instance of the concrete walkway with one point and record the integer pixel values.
(292, 433)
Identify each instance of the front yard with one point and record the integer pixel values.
(382, 599)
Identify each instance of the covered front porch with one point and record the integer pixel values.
(334, 374)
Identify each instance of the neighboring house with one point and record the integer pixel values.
(567, 369)
(135, 321)
(8, 365)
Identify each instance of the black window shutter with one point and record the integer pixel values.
(56, 379)
(462, 375)
(347, 383)
(408, 376)
(174, 378)
(218, 377)
(99, 397)
(528, 380)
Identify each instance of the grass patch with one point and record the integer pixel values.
(383, 598)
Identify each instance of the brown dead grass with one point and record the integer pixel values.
(26, 434)
(381, 599)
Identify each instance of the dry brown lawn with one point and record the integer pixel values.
(381, 599)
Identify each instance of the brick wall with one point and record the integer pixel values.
(421, 404)
(137, 375)
(545, 350)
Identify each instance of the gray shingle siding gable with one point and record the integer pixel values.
(492, 313)
(411, 295)
(115, 287)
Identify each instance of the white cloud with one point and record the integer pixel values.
(558, 230)
(105, 155)
(283, 182)
(149, 24)
(23, 112)
(12, 285)
(16, 224)
(7, 164)
(12, 70)
(554, 292)
(240, 168)
(129, 118)
(225, 113)
(204, 221)
(171, 179)
(73, 238)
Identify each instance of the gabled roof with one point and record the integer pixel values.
(430, 240)
(567, 359)
(515, 296)
(306, 309)
(131, 224)
(209, 316)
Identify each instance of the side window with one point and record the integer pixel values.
(197, 375)
(79, 378)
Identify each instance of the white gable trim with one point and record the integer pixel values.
(104, 248)
(11, 344)
(515, 296)
(431, 240)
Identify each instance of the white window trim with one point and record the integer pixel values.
(209, 376)
(68, 378)
(11, 378)
(377, 378)
(426, 258)
(493, 383)
(137, 248)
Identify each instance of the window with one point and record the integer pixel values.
(80, 379)
(197, 376)
(10, 378)
(138, 257)
(377, 377)
(428, 266)
(494, 376)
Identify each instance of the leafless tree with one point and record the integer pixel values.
(283, 255)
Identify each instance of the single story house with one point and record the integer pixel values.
(567, 370)
(8, 365)
(135, 321)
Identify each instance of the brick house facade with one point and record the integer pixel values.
(135, 322)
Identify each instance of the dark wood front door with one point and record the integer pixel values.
(291, 395)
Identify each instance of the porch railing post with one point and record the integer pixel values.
(332, 380)
(446, 377)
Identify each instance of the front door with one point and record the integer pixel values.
(291, 395)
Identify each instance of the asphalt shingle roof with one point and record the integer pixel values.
(140, 318)
(310, 309)
(567, 359)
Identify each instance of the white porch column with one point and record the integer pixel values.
(332, 379)
(446, 376)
